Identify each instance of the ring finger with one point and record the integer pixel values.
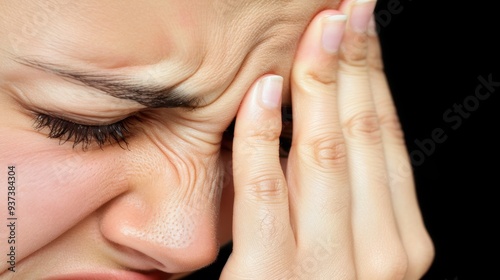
(377, 242)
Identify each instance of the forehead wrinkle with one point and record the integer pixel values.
(122, 87)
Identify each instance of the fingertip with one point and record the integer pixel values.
(270, 92)
(322, 36)
(259, 117)
(333, 27)
(360, 14)
(263, 96)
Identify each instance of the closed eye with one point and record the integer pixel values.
(84, 135)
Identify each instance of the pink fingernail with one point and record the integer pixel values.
(361, 13)
(333, 30)
(271, 90)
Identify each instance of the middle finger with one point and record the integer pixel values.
(317, 171)
(375, 230)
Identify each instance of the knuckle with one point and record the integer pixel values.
(421, 256)
(317, 77)
(375, 64)
(374, 57)
(390, 123)
(262, 136)
(392, 266)
(267, 131)
(355, 50)
(364, 126)
(326, 151)
(315, 84)
(267, 188)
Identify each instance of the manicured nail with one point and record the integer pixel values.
(362, 11)
(333, 30)
(271, 88)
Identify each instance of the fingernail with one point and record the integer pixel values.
(372, 26)
(271, 88)
(361, 12)
(333, 30)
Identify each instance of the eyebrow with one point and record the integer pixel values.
(123, 87)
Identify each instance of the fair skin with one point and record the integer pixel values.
(162, 201)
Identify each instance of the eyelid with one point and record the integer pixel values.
(78, 120)
(86, 135)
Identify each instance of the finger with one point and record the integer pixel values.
(379, 252)
(261, 223)
(318, 176)
(416, 240)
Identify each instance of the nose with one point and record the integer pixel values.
(167, 220)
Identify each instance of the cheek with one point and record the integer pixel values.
(55, 186)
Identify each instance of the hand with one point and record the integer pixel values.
(344, 207)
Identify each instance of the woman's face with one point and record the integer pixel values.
(112, 115)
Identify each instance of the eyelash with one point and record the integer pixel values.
(83, 134)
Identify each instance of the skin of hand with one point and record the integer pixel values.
(344, 205)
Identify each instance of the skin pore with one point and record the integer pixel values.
(160, 198)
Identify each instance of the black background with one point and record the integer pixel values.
(434, 52)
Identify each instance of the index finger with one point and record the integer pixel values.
(261, 220)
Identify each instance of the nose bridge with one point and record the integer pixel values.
(169, 213)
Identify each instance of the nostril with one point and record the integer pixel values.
(136, 260)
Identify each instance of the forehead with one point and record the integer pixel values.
(160, 38)
(128, 32)
(203, 44)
